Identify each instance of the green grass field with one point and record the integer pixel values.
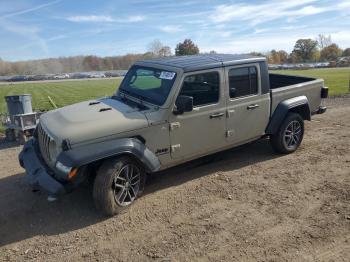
(337, 79)
(63, 93)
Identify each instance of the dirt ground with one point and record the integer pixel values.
(244, 204)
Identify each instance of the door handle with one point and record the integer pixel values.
(251, 107)
(216, 115)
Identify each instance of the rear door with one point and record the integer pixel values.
(248, 110)
(203, 129)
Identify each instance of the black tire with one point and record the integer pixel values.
(10, 135)
(113, 179)
(292, 127)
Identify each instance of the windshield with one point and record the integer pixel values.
(149, 84)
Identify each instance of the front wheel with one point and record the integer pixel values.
(119, 181)
(289, 135)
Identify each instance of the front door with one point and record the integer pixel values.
(203, 129)
(248, 110)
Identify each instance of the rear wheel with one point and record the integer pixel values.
(289, 135)
(118, 183)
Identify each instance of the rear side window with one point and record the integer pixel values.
(204, 88)
(243, 81)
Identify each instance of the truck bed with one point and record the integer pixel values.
(283, 87)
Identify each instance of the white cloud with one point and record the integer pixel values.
(261, 30)
(225, 34)
(56, 37)
(30, 9)
(170, 29)
(133, 19)
(104, 19)
(344, 4)
(309, 10)
(268, 11)
(90, 18)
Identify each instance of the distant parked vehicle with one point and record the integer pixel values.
(97, 75)
(112, 74)
(79, 75)
(39, 77)
(4, 78)
(115, 73)
(61, 76)
(343, 61)
(18, 78)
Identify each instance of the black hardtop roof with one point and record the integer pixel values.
(200, 62)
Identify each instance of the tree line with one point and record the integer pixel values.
(68, 64)
(305, 50)
(321, 49)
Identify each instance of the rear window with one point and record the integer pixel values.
(243, 81)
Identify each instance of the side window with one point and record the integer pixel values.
(204, 88)
(243, 81)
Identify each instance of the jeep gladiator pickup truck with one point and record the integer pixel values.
(167, 111)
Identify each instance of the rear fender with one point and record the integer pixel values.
(298, 105)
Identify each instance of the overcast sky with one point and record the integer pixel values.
(31, 29)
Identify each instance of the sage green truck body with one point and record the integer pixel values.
(160, 135)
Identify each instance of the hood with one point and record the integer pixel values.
(92, 120)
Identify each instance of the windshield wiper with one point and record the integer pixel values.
(140, 98)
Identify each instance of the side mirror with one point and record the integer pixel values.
(183, 104)
(232, 92)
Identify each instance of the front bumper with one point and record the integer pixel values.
(36, 170)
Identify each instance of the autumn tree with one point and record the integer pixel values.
(331, 52)
(316, 56)
(91, 63)
(257, 54)
(187, 47)
(283, 56)
(273, 57)
(346, 52)
(154, 47)
(304, 50)
(157, 48)
(323, 41)
(165, 51)
(277, 57)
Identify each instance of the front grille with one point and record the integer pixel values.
(45, 142)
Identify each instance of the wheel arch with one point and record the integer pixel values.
(95, 153)
(299, 105)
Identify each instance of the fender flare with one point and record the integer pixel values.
(298, 104)
(87, 154)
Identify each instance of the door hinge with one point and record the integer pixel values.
(174, 126)
(175, 148)
(230, 112)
